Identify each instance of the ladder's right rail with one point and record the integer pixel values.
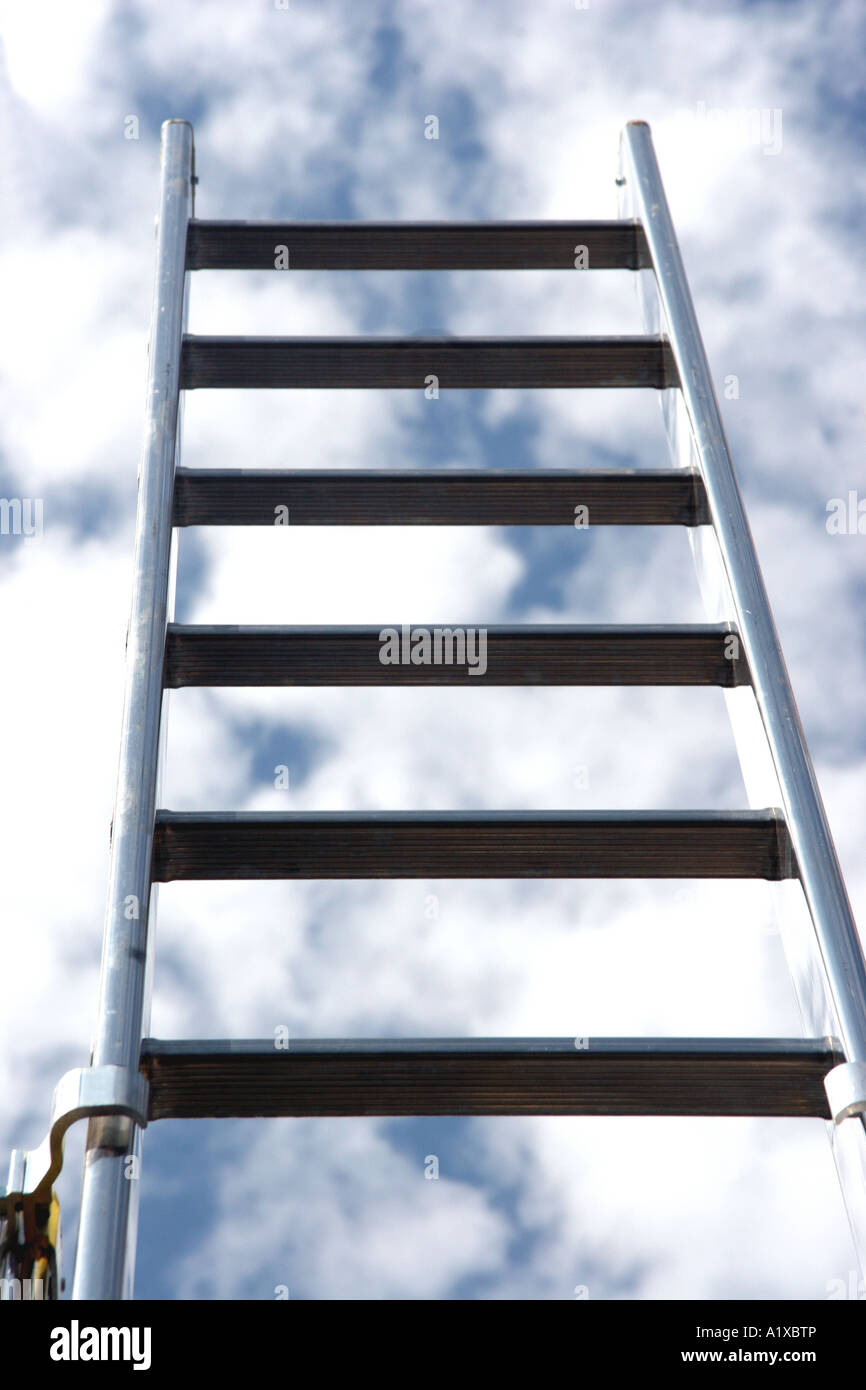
(834, 987)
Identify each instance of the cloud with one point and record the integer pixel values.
(318, 112)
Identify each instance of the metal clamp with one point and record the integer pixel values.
(846, 1090)
(83, 1093)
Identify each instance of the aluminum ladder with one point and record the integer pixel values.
(783, 836)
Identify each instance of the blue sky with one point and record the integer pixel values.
(318, 111)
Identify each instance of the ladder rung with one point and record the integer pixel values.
(213, 245)
(441, 497)
(489, 1076)
(524, 655)
(460, 844)
(409, 363)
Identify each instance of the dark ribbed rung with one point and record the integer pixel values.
(409, 363)
(443, 497)
(457, 844)
(489, 1076)
(416, 245)
(525, 655)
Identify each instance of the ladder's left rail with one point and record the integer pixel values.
(111, 1092)
(109, 1200)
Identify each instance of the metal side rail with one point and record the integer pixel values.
(109, 1202)
(830, 981)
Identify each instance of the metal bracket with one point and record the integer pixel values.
(846, 1090)
(83, 1093)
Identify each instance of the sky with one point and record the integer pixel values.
(319, 110)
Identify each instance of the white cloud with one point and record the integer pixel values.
(291, 120)
(392, 1234)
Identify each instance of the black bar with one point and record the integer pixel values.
(213, 245)
(489, 1076)
(521, 655)
(440, 497)
(471, 364)
(459, 844)
(229, 1345)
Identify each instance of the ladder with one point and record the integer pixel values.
(782, 836)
